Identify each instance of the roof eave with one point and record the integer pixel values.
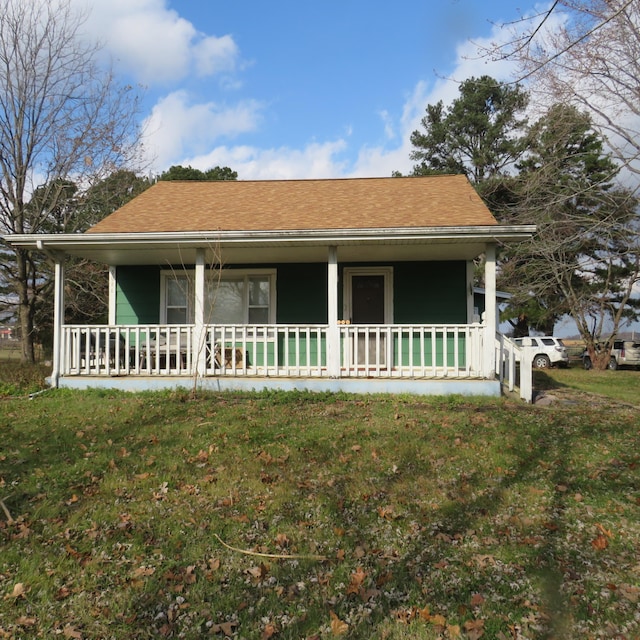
(67, 242)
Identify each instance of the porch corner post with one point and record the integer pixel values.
(199, 335)
(470, 297)
(58, 320)
(112, 295)
(333, 335)
(490, 319)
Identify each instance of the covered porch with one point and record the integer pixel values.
(333, 350)
(336, 355)
(358, 283)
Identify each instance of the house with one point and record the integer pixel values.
(362, 285)
(6, 333)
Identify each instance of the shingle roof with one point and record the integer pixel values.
(356, 203)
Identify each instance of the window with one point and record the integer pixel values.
(177, 295)
(233, 296)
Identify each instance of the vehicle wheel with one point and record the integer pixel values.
(613, 364)
(586, 361)
(541, 361)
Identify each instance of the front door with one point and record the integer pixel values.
(367, 302)
(367, 299)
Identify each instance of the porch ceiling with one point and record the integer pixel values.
(442, 243)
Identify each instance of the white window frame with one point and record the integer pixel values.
(168, 275)
(230, 274)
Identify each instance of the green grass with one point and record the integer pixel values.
(391, 517)
(17, 378)
(622, 385)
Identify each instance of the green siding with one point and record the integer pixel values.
(430, 292)
(302, 293)
(402, 355)
(138, 295)
(424, 293)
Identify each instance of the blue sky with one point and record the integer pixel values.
(293, 89)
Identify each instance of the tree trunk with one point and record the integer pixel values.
(25, 309)
(599, 358)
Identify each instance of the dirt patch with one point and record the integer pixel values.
(573, 397)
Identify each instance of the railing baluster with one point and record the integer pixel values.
(391, 351)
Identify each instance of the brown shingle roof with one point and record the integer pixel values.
(358, 203)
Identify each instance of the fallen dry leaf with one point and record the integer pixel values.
(258, 573)
(338, 628)
(425, 614)
(600, 543)
(438, 620)
(142, 572)
(71, 632)
(356, 581)
(629, 592)
(603, 531)
(476, 600)
(282, 541)
(453, 631)
(474, 629)
(19, 591)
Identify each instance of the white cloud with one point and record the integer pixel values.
(179, 131)
(176, 127)
(316, 160)
(389, 125)
(154, 44)
(215, 55)
(383, 160)
(160, 48)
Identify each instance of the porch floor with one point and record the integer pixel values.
(413, 386)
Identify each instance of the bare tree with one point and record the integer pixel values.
(586, 53)
(585, 258)
(62, 117)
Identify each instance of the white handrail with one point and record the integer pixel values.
(283, 350)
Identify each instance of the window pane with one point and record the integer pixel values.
(259, 291)
(259, 315)
(225, 303)
(177, 315)
(177, 292)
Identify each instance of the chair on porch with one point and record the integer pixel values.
(227, 357)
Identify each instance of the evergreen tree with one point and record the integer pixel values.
(178, 172)
(584, 259)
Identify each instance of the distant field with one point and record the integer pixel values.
(10, 350)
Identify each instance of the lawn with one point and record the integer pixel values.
(295, 516)
(621, 386)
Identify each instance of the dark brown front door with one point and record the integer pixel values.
(367, 299)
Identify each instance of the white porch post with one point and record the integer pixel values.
(199, 334)
(58, 320)
(490, 320)
(112, 295)
(333, 336)
(470, 297)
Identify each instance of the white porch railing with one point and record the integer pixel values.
(514, 366)
(392, 351)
